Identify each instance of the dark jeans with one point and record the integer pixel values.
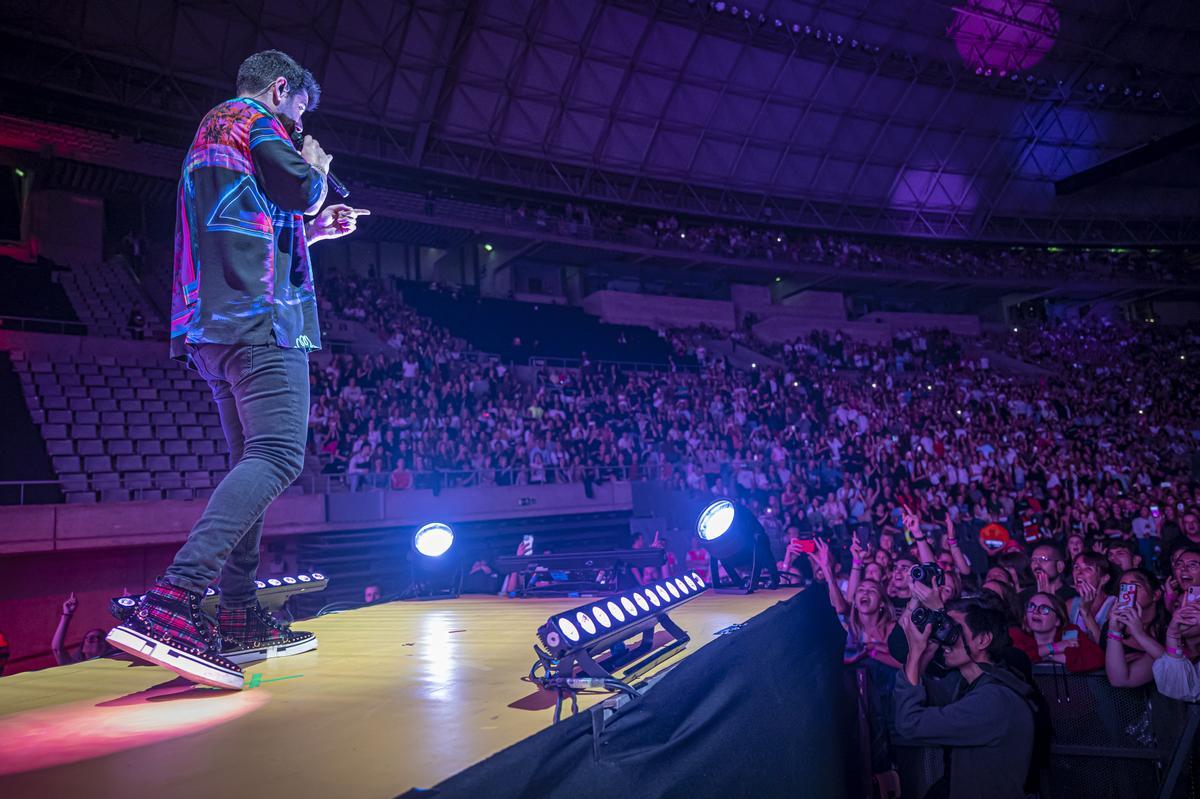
(261, 392)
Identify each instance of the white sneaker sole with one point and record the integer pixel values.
(185, 665)
(277, 651)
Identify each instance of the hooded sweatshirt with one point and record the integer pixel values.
(987, 727)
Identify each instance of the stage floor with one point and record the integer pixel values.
(398, 696)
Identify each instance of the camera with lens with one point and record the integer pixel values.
(928, 573)
(945, 629)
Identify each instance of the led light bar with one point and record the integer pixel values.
(590, 639)
(272, 594)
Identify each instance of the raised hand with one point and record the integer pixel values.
(1087, 593)
(1132, 619)
(1043, 582)
(929, 597)
(335, 221)
(69, 606)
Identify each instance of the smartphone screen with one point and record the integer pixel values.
(1071, 635)
(1128, 596)
(807, 545)
(860, 536)
(1193, 595)
(527, 544)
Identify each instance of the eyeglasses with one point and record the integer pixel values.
(1190, 565)
(1045, 558)
(1041, 610)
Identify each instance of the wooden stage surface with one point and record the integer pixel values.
(397, 696)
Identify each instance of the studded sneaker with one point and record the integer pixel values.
(252, 633)
(168, 629)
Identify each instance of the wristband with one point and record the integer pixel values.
(1175, 652)
(1114, 635)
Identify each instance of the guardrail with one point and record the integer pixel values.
(545, 361)
(33, 324)
(42, 492)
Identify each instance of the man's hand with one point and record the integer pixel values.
(1087, 593)
(334, 222)
(70, 605)
(315, 156)
(1043, 582)
(929, 597)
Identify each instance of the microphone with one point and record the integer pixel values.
(334, 183)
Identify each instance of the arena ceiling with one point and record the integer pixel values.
(921, 117)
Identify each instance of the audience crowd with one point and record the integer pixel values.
(1059, 497)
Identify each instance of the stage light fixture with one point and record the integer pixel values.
(271, 594)
(735, 539)
(615, 611)
(436, 567)
(433, 540)
(594, 640)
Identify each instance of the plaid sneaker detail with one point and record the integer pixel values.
(167, 613)
(168, 628)
(255, 628)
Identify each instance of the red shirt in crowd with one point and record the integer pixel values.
(1085, 657)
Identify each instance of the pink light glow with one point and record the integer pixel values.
(1004, 35)
(53, 736)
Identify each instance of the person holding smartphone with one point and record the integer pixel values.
(1132, 645)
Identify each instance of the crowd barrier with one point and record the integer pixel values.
(1107, 743)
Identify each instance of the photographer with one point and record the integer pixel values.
(982, 711)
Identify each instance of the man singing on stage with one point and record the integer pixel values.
(244, 314)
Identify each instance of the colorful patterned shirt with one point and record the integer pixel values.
(242, 270)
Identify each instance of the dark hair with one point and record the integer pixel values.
(985, 616)
(1058, 551)
(1121, 543)
(1102, 565)
(1005, 600)
(1153, 585)
(258, 71)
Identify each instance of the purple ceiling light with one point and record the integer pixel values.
(1010, 35)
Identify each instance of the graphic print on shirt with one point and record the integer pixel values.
(242, 209)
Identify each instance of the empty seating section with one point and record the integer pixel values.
(559, 331)
(105, 294)
(121, 428)
(32, 291)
